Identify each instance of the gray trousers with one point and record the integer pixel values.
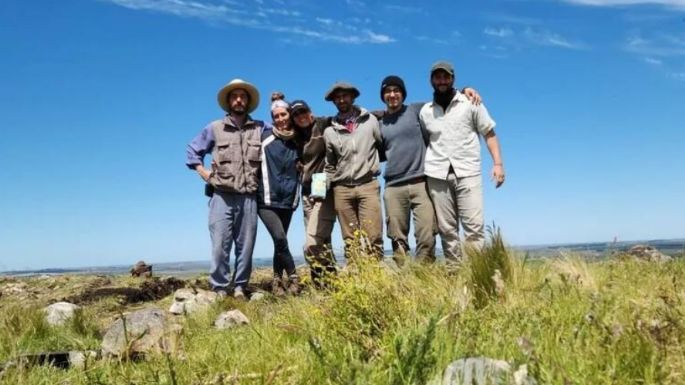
(401, 202)
(458, 200)
(232, 219)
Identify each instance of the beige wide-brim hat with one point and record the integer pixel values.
(235, 84)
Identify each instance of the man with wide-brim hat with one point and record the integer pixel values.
(235, 84)
(352, 165)
(234, 143)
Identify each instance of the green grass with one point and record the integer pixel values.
(570, 322)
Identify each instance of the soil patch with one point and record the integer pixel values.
(150, 290)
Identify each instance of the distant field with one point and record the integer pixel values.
(596, 250)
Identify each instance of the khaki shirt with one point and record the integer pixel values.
(453, 137)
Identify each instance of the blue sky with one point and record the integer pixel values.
(100, 97)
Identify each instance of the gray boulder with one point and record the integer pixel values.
(648, 254)
(188, 301)
(484, 371)
(60, 312)
(230, 319)
(146, 331)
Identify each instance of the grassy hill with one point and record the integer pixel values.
(617, 321)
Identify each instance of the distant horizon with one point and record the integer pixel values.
(300, 258)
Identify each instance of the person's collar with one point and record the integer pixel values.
(229, 121)
(400, 110)
(355, 113)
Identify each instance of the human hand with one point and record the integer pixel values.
(497, 175)
(473, 95)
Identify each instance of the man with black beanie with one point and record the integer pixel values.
(405, 191)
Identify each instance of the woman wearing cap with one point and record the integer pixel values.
(277, 194)
(319, 212)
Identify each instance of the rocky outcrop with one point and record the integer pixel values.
(648, 254)
(141, 269)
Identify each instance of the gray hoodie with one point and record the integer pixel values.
(352, 157)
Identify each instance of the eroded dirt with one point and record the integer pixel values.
(149, 290)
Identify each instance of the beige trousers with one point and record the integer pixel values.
(458, 200)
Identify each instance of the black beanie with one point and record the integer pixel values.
(393, 80)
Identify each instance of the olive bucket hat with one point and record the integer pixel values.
(341, 86)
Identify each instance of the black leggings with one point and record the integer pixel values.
(277, 222)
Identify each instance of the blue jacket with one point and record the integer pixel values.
(278, 179)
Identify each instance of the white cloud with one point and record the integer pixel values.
(498, 32)
(379, 38)
(612, 3)
(178, 7)
(678, 76)
(548, 38)
(651, 60)
(428, 39)
(257, 18)
(403, 8)
(325, 21)
(662, 45)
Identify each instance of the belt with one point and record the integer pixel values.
(418, 179)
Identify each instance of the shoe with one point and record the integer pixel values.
(239, 293)
(277, 287)
(294, 287)
(221, 292)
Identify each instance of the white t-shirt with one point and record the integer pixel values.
(453, 136)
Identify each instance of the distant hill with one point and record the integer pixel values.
(671, 247)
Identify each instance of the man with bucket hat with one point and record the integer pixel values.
(352, 164)
(234, 144)
(453, 126)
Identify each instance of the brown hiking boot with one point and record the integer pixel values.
(277, 288)
(294, 287)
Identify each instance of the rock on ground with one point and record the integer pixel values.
(648, 253)
(230, 319)
(188, 301)
(146, 331)
(60, 312)
(484, 371)
(256, 297)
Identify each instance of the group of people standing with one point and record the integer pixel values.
(258, 169)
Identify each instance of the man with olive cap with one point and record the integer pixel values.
(352, 164)
(234, 144)
(453, 126)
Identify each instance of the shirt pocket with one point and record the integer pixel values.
(254, 151)
(227, 151)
